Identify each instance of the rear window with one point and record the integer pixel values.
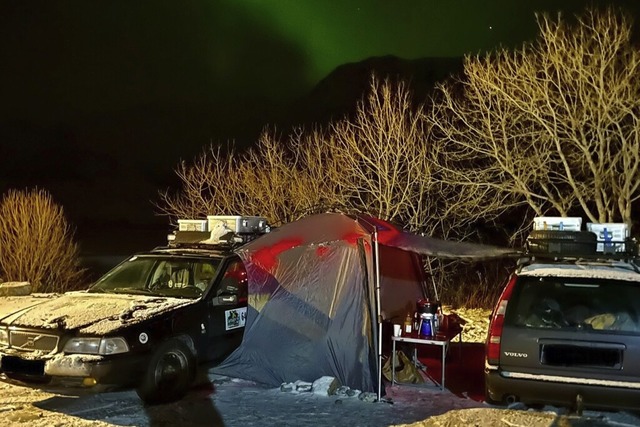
(578, 304)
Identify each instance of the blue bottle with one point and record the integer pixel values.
(425, 326)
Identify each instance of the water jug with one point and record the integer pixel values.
(427, 325)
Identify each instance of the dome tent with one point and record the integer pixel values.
(319, 289)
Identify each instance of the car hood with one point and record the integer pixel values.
(88, 313)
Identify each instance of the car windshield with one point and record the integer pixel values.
(178, 277)
(581, 304)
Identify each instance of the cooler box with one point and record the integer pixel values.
(192, 225)
(567, 223)
(612, 236)
(239, 224)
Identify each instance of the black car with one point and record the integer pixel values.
(148, 324)
(566, 329)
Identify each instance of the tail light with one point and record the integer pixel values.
(497, 323)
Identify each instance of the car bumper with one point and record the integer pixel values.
(73, 373)
(507, 387)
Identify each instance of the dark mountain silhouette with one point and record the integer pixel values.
(337, 94)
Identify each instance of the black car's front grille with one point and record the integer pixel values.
(16, 365)
(33, 341)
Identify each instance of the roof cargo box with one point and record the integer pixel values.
(239, 224)
(566, 223)
(193, 225)
(612, 236)
(561, 243)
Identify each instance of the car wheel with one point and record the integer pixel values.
(169, 375)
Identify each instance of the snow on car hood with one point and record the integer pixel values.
(90, 313)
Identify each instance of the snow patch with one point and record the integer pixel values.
(72, 365)
(326, 385)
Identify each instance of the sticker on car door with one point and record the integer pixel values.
(235, 318)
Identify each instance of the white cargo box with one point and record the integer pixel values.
(567, 223)
(612, 235)
(239, 224)
(193, 225)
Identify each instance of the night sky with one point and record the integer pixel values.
(101, 99)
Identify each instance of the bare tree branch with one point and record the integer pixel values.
(553, 125)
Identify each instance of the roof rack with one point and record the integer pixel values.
(562, 238)
(226, 231)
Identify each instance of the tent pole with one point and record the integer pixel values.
(433, 280)
(376, 260)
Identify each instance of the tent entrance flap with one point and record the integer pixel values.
(313, 318)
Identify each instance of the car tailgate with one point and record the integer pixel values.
(572, 354)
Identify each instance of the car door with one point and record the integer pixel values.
(227, 309)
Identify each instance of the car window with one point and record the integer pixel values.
(161, 276)
(588, 304)
(172, 274)
(203, 274)
(132, 273)
(234, 281)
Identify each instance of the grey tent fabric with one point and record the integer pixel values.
(319, 287)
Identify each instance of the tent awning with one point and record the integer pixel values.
(430, 246)
(329, 227)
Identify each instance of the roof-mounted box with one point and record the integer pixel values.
(563, 223)
(612, 236)
(193, 225)
(239, 224)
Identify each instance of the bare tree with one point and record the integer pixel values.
(36, 243)
(280, 180)
(553, 125)
(377, 162)
(383, 152)
(276, 180)
(209, 186)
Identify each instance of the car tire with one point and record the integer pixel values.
(169, 375)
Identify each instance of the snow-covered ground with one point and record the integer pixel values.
(228, 402)
(224, 401)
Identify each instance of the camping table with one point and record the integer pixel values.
(439, 340)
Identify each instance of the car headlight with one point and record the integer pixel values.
(4, 337)
(102, 346)
(113, 346)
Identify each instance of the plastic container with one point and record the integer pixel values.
(562, 223)
(193, 225)
(611, 236)
(239, 224)
(408, 325)
(427, 325)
